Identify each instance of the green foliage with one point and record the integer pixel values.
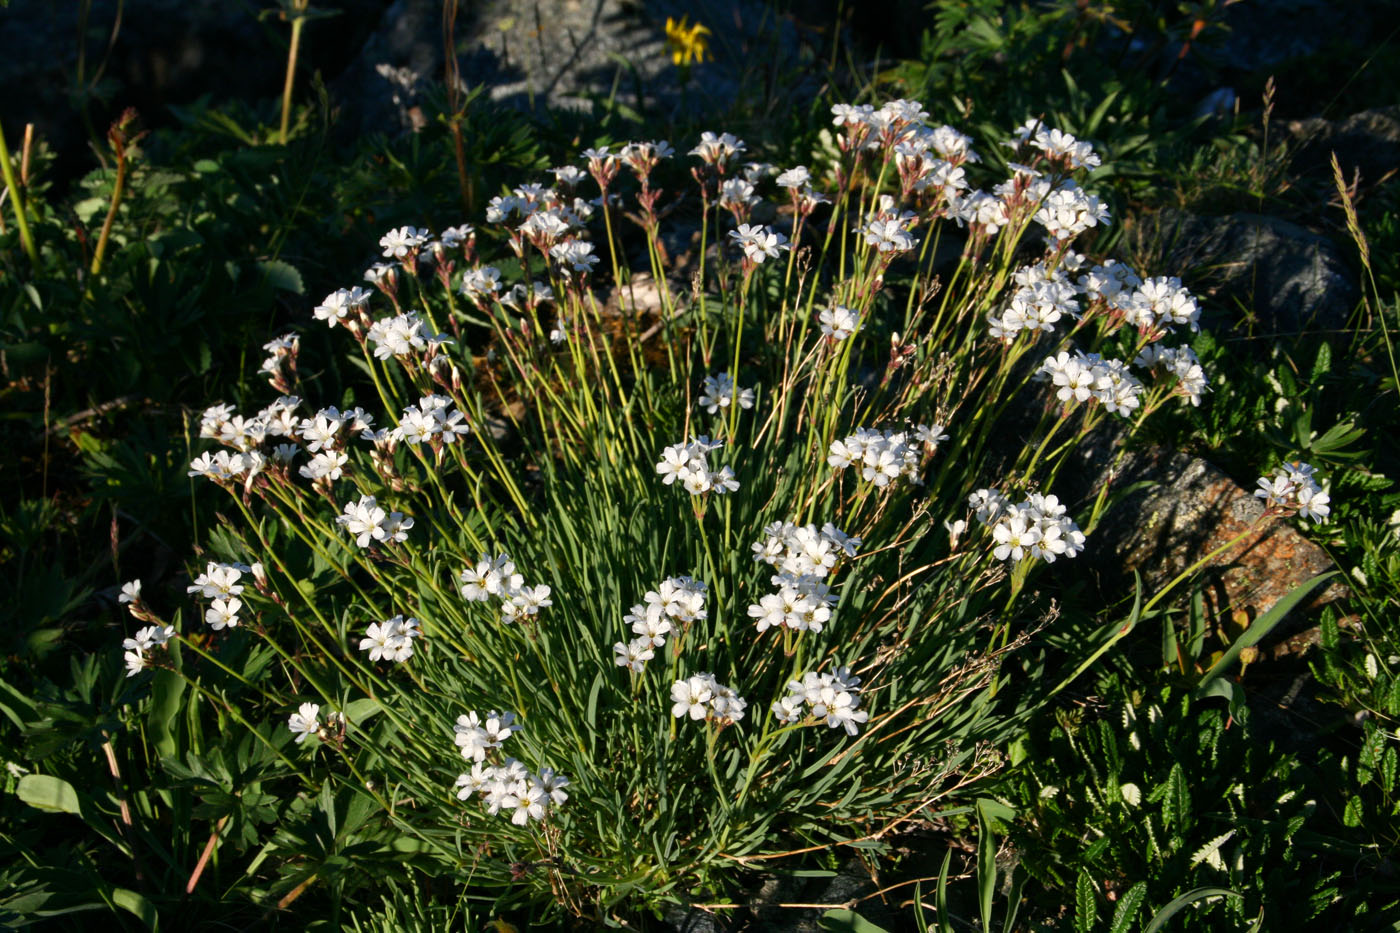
(1165, 804)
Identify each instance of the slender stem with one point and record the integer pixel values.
(298, 21)
(17, 199)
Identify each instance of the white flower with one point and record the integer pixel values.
(399, 242)
(1294, 488)
(524, 804)
(304, 721)
(888, 236)
(336, 306)
(691, 697)
(759, 243)
(223, 612)
(391, 640)
(131, 592)
(634, 654)
(719, 392)
(839, 322)
(553, 784)
(476, 737)
(364, 520)
(717, 150)
(794, 178)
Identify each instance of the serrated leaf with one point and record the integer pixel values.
(1210, 852)
(1086, 908)
(1354, 812)
(1128, 906)
(282, 275)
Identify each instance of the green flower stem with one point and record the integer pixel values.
(17, 201)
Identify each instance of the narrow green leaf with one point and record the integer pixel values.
(940, 900)
(986, 865)
(1180, 903)
(1263, 625)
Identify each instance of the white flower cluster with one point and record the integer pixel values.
(1086, 376)
(496, 577)
(219, 583)
(135, 648)
(803, 557)
(690, 464)
(1057, 146)
(1042, 298)
(1038, 527)
(434, 420)
(832, 697)
(390, 640)
(759, 243)
(719, 150)
(338, 306)
(678, 602)
(886, 455)
(511, 789)
(719, 392)
(367, 522)
(507, 788)
(1294, 488)
(1179, 363)
(403, 334)
(899, 123)
(1068, 211)
(700, 696)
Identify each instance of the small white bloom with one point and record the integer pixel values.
(304, 721)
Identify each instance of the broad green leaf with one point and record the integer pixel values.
(137, 905)
(843, 920)
(46, 792)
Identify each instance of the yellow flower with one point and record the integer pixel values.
(687, 43)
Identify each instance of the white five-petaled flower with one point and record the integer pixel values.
(759, 243)
(391, 640)
(399, 242)
(839, 322)
(304, 722)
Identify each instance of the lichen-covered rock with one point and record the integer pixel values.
(1190, 510)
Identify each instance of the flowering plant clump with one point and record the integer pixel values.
(513, 413)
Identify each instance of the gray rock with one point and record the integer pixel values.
(1368, 142)
(1286, 276)
(569, 54)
